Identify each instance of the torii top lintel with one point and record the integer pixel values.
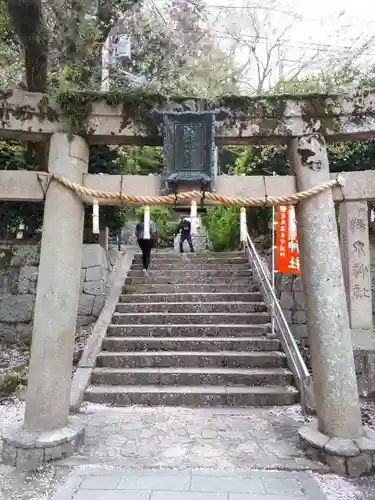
(113, 118)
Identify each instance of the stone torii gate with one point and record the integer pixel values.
(304, 123)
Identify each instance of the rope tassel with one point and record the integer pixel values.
(95, 217)
(243, 224)
(193, 217)
(292, 224)
(146, 223)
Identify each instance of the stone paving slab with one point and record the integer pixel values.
(182, 438)
(189, 485)
(271, 428)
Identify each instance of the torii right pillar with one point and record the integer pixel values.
(337, 435)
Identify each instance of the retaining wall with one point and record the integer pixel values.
(19, 264)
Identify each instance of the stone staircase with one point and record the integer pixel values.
(192, 333)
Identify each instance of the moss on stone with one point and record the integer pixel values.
(6, 255)
(320, 107)
(20, 368)
(135, 107)
(254, 107)
(47, 112)
(9, 383)
(75, 107)
(5, 94)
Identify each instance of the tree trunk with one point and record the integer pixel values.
(27, 19)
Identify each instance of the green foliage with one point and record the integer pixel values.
(258, 219)
(140, 160)
(260, 160)
(14, 156)
(162, 216)
(104, 160)
(263, 160)
(322, 82)
(115, 218)
(223, 227)
(126, 160)
(138, 104)
(5, 26)
(356, 155)
(77, 105)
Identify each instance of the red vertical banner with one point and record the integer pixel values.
(287, 248)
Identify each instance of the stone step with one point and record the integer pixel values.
(195, 255)
(192, 260)
(191, 344)
(165, 359)
(197, 264)
(191, 307)
(192, 376)
(185, 278)
(157, 395)
(191, 297)
(189, 318)
(218, 287)
(186, 330)
(191, 274)
(188, 265)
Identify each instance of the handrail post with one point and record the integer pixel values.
(273, 270)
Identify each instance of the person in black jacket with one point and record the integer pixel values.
(184, 228)
(145, 245)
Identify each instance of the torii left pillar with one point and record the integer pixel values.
(47, 433)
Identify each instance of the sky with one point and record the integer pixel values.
(325, 34)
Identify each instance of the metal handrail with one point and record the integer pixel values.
(295, 360)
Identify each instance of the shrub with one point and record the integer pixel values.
(223, 227)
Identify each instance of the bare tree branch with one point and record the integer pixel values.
(261, 37)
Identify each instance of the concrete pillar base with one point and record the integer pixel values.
(27, 450)
(345, 457)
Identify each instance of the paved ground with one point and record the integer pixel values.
(208, 454)
(221, 439)
(189, 485)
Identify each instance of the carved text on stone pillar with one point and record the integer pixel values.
(359, 266)
(359, 248)
(356, 262)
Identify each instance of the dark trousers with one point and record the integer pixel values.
(145, 246)
(186, 237)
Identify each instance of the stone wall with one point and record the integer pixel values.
(290, 293)
(128, 233)
(292, 300)
(18, 280)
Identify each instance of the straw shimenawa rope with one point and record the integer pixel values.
(197, 195)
